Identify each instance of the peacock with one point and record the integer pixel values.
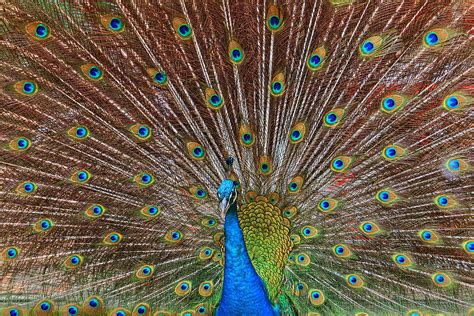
(257, 157)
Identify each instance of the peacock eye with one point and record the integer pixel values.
(368, 47)
(45, 306)
(468, 246)
(201, 193)
(314, 60)
(431, 38)
(274, 22)
(215, 100)
(331, 118)
(38, 30)
(183, 288)
(277, 87)
(441, 279)
(198, 152)
(236, 54)
(389, 103)
(184, 30)
(116, 24)
(12, 253)
(41, 31)
(160, 77)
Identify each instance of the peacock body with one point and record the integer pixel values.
(236, 158)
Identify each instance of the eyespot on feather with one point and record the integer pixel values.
(445, 201)
(144, 179)
(316, 59)
(26, 88)
(205, 253)
(182, 28)
(183, 288)
(441, 279)
(316, 297)
(393, 152)
(429, 236)
(78, 133)
(274, 18)
(145, 271)
(295, 184)
(371, 46)
(295, 239)
(214, 100)
(456, 101)
(73, 261)
(290, 211)
(393, 102)
(369, 228)
(402, 260)
(342, 251)
(141, 309)
(141, 132)
(355, 281)
(198, 192)
(387, 197)
(113, 23)
(437, 37)
(80, 177)
(92, 72)
(71, 310)
(206, 288)
(468, 246)
(44, 307)
(235, 52)
(302, 259)
(93, 305)
(278, 85)
(43, 225)
(265, 165)
(309, 231)
(10, 253)
(195, 150)
(26, 188)
(246, 136)
(297, 133)
(300, 288)
(158, 77)
(334, 117)
(38, 30)
(13, 311)
(119, 311)
(112, 239)
(457, 165)
(95, 211)
(341, 163)
(20, 144)
(174, 236)
(328, 205)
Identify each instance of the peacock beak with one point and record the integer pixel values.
(224, 206)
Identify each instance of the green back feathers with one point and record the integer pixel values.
(267, 239)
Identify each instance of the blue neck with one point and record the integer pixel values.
(243, 291)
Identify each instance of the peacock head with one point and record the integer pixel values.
(227, 191)
(227, 194)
